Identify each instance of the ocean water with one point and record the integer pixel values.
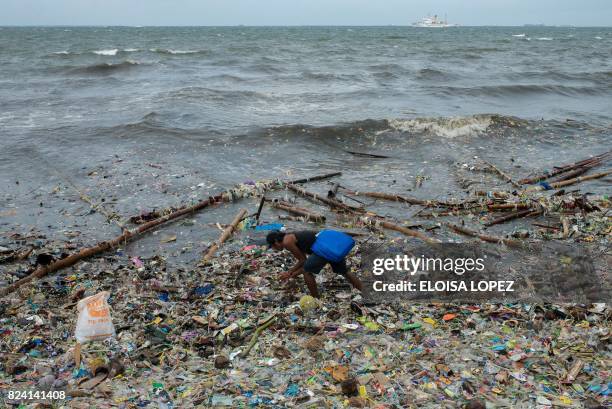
(148, 117)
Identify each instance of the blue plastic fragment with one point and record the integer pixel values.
(271, 226)
(292, 390)
(545, 185)
(204, 290)
(164, 297)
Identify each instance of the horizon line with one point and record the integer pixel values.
(528, 25)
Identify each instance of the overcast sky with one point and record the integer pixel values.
(302, 12)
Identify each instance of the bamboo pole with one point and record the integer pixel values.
(314, 178)
(568, 182)
(330, 202)
(260, 208)
(398, 198)
(483, 237)
(307, 214)
(504, 175)
(509, 206)
(514, 215)
(227, 233)
(565, 168)
(573, 174)
(367, 155)
(404, 230)
(496, 194)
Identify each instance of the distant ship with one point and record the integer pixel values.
(433, 22)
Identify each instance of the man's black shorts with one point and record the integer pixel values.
(315, 263)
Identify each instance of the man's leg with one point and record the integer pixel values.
(342, 269)
(355, 282)
(312, 266)
(311, 283)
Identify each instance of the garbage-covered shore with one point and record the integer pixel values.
(228, 333)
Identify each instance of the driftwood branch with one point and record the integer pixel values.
(314, 178)
(568, 182)
(299, 211)
(483, 237)
(260, 208)
(333, 203)
(399, 198)
(566, 168)
(404, 230)
(509, 206)
(367, 155)
(227, 233)
(504, 175)
(515, 215)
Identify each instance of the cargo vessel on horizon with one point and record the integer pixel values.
(433, 22)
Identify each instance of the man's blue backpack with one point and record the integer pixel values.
(332, 245)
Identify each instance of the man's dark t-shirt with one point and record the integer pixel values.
(305, 240)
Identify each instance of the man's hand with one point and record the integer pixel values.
(285, 275)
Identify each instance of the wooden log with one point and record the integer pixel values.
(575, 173)
(404, 230)
(331, 193)
(399, 198)
(307, 214)
(509, 206)
(496, 194)
(564, 168)
(335, 204)
(227, 233)
(314, 178)
(514, 215)
(568, 182)
(483, 237)
(367, 155)
(260, 208)
(504, 175)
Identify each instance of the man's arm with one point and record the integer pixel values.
(301, 258)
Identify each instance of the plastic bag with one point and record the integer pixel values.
(94, 322)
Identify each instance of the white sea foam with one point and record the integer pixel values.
(62, 52)
(544, 38)
(108, 52)
(598, 38)
(518, 35)
(171, 51)
(446, 127)
(130, 50)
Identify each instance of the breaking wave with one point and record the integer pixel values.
(109, 52)
(169, 51)
(446, 127)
